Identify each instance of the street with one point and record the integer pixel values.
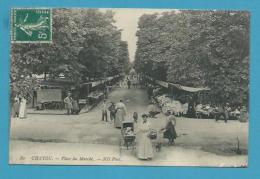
(82, 139)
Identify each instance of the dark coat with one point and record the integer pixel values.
(170, 132)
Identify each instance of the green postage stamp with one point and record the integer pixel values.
(31, 25)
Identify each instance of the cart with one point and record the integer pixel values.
(127, 138)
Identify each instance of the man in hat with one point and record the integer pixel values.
(68, 103)
(227, 110)
(112, 109)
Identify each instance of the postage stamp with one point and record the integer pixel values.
(31, 25)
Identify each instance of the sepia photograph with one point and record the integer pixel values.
(136, 87)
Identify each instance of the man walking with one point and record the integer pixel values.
(227, 110)
(68, 103)
(112, 109)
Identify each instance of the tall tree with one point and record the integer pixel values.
(86, 44)
(197, 48)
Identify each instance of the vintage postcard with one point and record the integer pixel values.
(145, 87)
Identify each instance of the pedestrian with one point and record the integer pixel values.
(169, 131)
(191, 112)
(104, 110)
(121, 81)
(23, 108)
(68, 103)
(16, 106)
(223, 112)
(150, 92)
(220, 113)
(112, 109)
(106, 91)
(120, 114)
(129, 83)
(144, 144)
(227, 110)
(135, 83)
(75, 109)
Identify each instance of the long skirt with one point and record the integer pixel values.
(144, 146)
(22, 110)
(170, 133)
(120, 116)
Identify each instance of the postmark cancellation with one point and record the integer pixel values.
(31, 25)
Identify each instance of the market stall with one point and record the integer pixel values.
(175, 98)
(99, 90)
(50, 94)
(50, 98)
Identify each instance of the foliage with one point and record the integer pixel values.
(197, 48)
(86, 44)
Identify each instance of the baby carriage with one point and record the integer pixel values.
(127, 139)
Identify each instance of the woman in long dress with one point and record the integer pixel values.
(22, 109)
(120, 114)
(144, 144)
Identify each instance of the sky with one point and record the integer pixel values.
(127, 20)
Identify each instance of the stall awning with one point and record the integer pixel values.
(189, 89)
(178, 86)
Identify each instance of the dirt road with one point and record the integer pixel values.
(201, 142)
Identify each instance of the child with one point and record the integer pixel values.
(169, 129)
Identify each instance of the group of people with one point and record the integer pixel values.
(117, 112)
(71, 105)
(142, 128)
(131, 82)
(227, 112)
(19, 107)
(224, 112)
(144, 134)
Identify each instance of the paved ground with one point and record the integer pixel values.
(84, 139)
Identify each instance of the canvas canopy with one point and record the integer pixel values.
(178, 86)
(189, 89)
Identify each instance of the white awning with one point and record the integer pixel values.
(190, 89)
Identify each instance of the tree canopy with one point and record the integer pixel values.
(86, 44)
(197, 48)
